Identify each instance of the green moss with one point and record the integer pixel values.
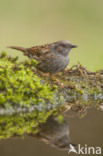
(60, 118)
(25, 101)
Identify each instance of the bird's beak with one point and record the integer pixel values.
(74, 46)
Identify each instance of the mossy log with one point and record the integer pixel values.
(28, 98)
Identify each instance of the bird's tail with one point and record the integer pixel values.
(18, 48)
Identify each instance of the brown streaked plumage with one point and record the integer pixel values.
(51, 57)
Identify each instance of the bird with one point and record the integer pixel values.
(55, 134)
(51, 58)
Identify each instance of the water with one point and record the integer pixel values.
(88, 130)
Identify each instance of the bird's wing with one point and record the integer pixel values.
(47, 62)
(37, 52)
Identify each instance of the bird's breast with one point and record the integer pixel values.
(61, 63)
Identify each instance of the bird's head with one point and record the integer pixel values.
(62, 47)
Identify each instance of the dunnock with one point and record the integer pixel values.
(51, 57)
(54, 133)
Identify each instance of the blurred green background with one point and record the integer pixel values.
(33, 22)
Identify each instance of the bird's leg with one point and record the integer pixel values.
(47, 74)
(63, 71)
(42, 74)
(39, 73)
(51, 77)
(57, 82)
